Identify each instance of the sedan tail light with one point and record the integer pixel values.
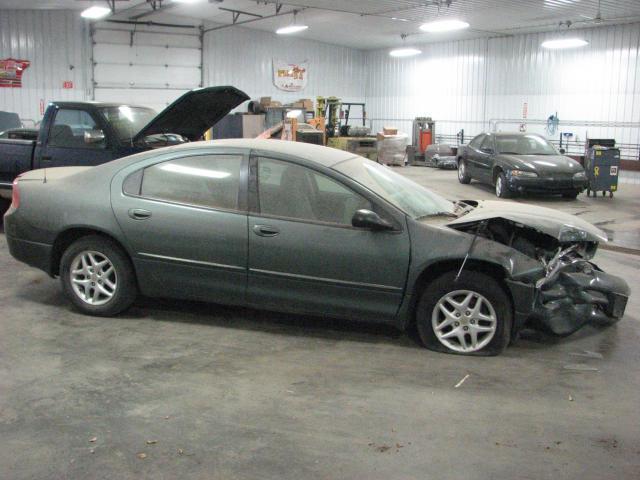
(15, 196)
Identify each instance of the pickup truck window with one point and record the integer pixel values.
(69, 129)
(127, 121)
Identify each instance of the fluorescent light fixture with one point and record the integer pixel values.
(95, 12)
(444, 26)
(405, 52)
(293, 27)
(186, 1)
(564, 43)
(289, 29)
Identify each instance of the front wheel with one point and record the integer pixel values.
(470, 316)
(502, 189)
(463, 175)
(97, 276)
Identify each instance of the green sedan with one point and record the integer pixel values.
(311, 230)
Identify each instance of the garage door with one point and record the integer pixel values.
(144, 66)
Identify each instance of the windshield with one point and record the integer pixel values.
(524, 145)
(127, 121)
(408, 196)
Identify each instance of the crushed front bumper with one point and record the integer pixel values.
(577, 293)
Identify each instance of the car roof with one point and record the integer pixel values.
(325, 156)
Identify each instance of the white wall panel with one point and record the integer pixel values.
(466, 84)
(55, 42)
(243, 58)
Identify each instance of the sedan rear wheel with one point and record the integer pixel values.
(97, 276)
(470, 316)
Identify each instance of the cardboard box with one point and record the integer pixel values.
(390, 130)
(307, 104)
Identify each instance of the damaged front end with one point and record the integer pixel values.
(571, 290)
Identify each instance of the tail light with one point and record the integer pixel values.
(15, 196)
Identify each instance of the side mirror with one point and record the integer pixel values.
(370, 220)
(92, 137)
(562, 151)
(488, 151)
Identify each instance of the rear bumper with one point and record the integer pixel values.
(32, 253)
(545, 185)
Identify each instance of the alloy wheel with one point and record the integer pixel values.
(499, 186)
(464, 321)
(461, 172)
(93, 277)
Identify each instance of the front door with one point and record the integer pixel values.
(484, 163)
(305, 256)
(75, 138)
(185, 220)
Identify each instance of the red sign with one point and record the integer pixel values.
(67, 84)
(11, 72)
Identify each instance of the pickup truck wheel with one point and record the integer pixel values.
(4, 206)
(463, 175)
(97, 276)
(470, 316)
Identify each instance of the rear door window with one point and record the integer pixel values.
(211, 181)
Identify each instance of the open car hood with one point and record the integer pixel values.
(559, 225)
(194, 113)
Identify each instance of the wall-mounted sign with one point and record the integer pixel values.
(11, 72)
(290, 77)
(67, 84)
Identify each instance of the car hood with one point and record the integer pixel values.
(548, 164)
(194, 113)
(546, 220)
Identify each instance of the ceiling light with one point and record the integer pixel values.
(95, 12)
(186, 1)
(444, 26)
(405, 52)
(293, 27)
(564, 43)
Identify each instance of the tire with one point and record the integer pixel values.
(495, 304)
(502, 190)
(463, 175)
(570, 195)
(120, 282)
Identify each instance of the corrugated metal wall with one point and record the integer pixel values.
(243, 58)
(466, 84)
(55, 42)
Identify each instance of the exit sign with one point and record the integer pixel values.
(67, 84)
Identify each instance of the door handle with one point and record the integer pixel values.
(139, 214)
(265, 230)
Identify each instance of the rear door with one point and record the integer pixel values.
(73, 139)
(305, 256)
(472, 154)
(485, 158)
(185, 219)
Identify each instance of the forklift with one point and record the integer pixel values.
(423, 136)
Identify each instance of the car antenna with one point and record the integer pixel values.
(466, 257)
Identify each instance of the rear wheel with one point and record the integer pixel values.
(470, 316)
(502, 190)
(97, 276)
(463, 175)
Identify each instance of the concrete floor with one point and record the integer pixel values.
(235, 393)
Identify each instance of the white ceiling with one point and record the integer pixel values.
(369, 24)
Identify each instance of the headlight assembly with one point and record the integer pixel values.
(579, 176)
(571, 234)
(523, 174)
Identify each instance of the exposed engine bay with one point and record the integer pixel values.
(573, 291)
